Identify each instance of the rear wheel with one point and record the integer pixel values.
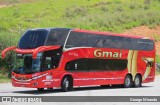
(40, 89)
(128, 81)
(137, 81)
(66, 84)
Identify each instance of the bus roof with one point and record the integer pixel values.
(48, 28)
(96, 32)
(110, 33)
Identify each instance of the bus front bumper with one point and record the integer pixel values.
(38, 83)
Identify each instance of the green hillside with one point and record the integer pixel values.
(108, 15)
(103, 15)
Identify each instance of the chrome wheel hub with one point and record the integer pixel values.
(67, 84)
(137, 81)
(127, 82)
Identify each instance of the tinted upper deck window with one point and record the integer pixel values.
(33, 39)
(57, 37)
(82, 39)
(77, 39)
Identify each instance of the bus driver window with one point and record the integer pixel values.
(47, 63)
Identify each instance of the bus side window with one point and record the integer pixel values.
(47, 63)
(55, 61)
(99, 43)
(110, 42)
(127, 43)
(107, 43)
(77, 65)
(77, 39)
(120, 42)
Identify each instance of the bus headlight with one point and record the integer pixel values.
(49, 77)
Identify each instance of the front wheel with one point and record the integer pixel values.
(128, 81)
(137, 81)
(66, 84)
(104, 86)
(50, 88)
(40, 89)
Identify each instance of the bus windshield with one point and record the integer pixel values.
(25, 64)
(33, 39)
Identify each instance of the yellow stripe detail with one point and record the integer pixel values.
(134, 64)
(148, 69)
(130, 55)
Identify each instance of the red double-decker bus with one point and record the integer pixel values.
(60, 57)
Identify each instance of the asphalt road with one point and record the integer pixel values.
(148, 89)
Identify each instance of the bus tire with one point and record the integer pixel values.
(40, 89)
(137, 81)
(128, 81)
(50, 88)
(104, 86)
(66, 84)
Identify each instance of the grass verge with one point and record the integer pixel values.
(4, 75)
